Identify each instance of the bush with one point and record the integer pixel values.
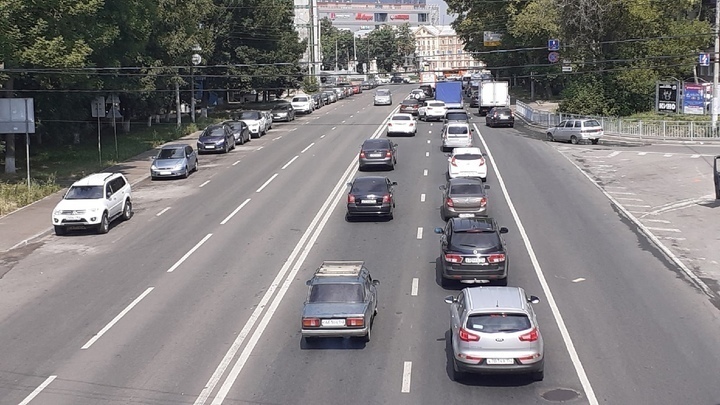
(310, 85)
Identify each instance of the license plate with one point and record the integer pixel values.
(72, 218)
(500, 361)
(466, 215)
(333, 322)
(209, 146)
(367, 201)
(165, 173)
(375, 155)
(475, 260)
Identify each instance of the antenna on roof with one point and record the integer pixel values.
(497, 304)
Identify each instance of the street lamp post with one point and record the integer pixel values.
(196, 60)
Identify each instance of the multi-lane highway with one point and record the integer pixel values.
(197, 299)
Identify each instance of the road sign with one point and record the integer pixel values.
(567, 68)
(98, 107)
(196, 59)
(553, 57)
(704, 59)
(553, 44)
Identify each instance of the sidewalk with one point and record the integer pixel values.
(33, 221)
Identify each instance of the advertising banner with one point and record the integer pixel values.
(666, 97)
(693, 99)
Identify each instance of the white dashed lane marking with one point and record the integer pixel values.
(627, 199)
(663, 229)
(290, 162)
(116, 319)
(162, 212)
(260, 148)
(660, 221)
(621, 193)
(307, 147)
(407, 376)
(638, 205)
(695, 156)
(419, 233)
(642, 153)
(206, 182)
(236, 163)
(232, 214)
(266, 183)
(427, 154)
(422, 197)
(428, 141)
(613, 154)
(668, 155)
(37, 390)
(414, 287)
(425, 172)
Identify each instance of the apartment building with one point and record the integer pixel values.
(440, 49)
(355, 15)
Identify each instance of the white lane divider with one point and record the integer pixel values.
(422, 197)
(191, 251)
(430, 132)
(695, 156)
(569, 345)
(621, 193)
(627, 199)
(307, 147)
(407, 376)
(275, 139)
(428, 141)
(427, 154)
(162, 212)
(37, 390)
(260, 148)
(232, 214)
(332, 128)
(425, 172)
(236, 163)
(322, 136)
(294, 129)
(343, 121)
(266, 183)
(116, 319)
(642, 153)
(414, 287)
(667, 155)
(290, 162)
(638, 205)
(203, 185)
(613, 154)
(660, 221)
(419, 232)
(652, 228)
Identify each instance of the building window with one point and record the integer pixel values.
(422, 17)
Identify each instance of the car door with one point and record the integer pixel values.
(456, 311)
(561, 134)
(113, 198)
(191, 157)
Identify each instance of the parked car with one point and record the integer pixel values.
(240, 131)
(283, 112)
(255, 121)
(366, 85)
(396, 80)
(267, 114)
(467, 162)
(472, 250)
(303, 104)
(456, 135)
(463, 198)
(342, 301)
(331, 96)
(576, 130)
(377, 152)
(176, 160)
(500, 116)
(494, 330)
(382, 97)
(371, 196)
(339, 92)
(432, 110)
(324, 97)
(216, 138)
(93, 202)
(402, 124)
(409, 106)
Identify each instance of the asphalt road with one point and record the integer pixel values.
(197, 299)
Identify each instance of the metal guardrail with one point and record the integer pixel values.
(684, 130)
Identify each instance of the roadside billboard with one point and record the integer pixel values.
(666, 97)
(693, 99)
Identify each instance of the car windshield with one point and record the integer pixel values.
(250, 115)
(498, 322)
(214, 131)
(466, 189)
(336, 293)
(175, 153)
(300, 99)
(468, 156)
(84, 192)
(401, 118)
(457, 130)
(369, 186)
(382, 93)
(476, 239)
(436, 104)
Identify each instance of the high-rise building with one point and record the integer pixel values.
(307, 24)
(355, 15)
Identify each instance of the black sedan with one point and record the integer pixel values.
(216, 138)
(240, 131)
(371, 196)
(473, 251)
(377, 153)
(500, 116)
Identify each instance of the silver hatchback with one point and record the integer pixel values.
(493, 330)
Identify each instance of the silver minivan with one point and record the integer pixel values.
(493, 330)
(576, 130)
(457, 135)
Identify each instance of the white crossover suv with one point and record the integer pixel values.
(93, 202)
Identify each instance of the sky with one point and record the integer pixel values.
(444, 18)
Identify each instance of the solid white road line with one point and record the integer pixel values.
(642, 153)
(191, 251)
(638, 206)
(407, 376)
(613, 154)
(259, 148)
(414, 287)
(206, 182)
(695, 156)
(236, 163)
(618, 187)
(162, 212)
(579, 368)
(661, 221)
(425, 172)
(37, 390)
(422, 197)
(419, 232)
(313, 231)
(232, 214)
(652, 228)
(621, 193)
(290, 162)
(116, 319)
(627, 198)
(307, 147)
(266, 183)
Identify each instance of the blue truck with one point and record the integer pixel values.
(450, 93)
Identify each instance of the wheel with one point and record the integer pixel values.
(549, 137)
(197, 163)
(226, 149)
(153, 178)
(455, 373)
(539, 375)
(366, 338)
(484, 179)
(512, 125)
(60, 230)
(186, 173)
(127, 211)
(104, 225)
(574, 140)
(444, 283)
(502, 282)
(594, 141)
(443, 215)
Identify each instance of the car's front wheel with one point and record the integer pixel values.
(104, 225)
(594, 141)
(549, 137)
(128, 210)
(574, 140)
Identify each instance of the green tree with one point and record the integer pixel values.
(330, 37)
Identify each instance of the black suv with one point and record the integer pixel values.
(428, 89)
(473, 251)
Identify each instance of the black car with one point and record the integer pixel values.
(216, 138)
(428, 89)
(378, 152)
(396, 80)
(410, 106)
(474, 99)
(317, 100)
(371, 196)
(500, 116)
(240, 131)
(473, 251)
(324, 97)
(283, 111)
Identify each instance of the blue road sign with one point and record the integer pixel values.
(704, 59)
(553, 57)
(553, 44)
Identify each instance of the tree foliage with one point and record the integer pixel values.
(388, 46)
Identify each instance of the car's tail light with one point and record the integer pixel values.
(453, 258)
(387, 198)
(496, 258)
(466, 336)
(452, 162)
(355, 322)
(388, 154)
(412, 125)
(362, 154)
(310, 322)
(351, 199)
(481, 161)
(449, 202)
(530, 336)
(389, 124)
(483, 201)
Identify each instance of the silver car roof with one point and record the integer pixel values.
(482, 299)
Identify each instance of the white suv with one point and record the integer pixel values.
(93, 202)
(303, 104)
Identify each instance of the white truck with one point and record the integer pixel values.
(428, 78)
(493, 94)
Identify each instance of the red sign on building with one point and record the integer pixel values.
(404, 17)
(364, 17)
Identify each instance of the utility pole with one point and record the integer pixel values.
(336, 55)
(354, 54)
(716, 68)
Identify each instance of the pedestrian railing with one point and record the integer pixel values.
(683, 130)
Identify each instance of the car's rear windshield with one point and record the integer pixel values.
(468, 156)
(382, 93)
(84, 192)
(369, 186)
(457, 116)
(375, 143)
(300, 99)
(467, 189)
(503, 111)
(476, 238)
(409, 102)
(457, 130)
(336, 293)
(436, 104)
(174, 153)
(401, 118)
(591, 123)
(249, 115)
(498, 322)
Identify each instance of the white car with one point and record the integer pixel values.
(402, 124)
(256, 122)
(418, 94)
(93, 202)
(467, 162)
(303, 104)
(432, 110)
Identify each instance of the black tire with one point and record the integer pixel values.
(366, 338)
(104, 225)
(445, 283)
(549, 137)
(594, 141)
(186, 173)
(197, 164)
(538, 375)
(227, 149)
(60, 230)
(127, 211)
(574, 140)
(455, 374)
(512, 125)
(501, 282)
(153, 178)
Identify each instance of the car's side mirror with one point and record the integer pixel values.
(109, 194)
(487, 187)
(395, 145)
(450, 299)
(394, 183)
(442, 187)
(533, 299)
(438, 231)
(376, 282)
(448, 155)
(503, 230)
(308, 282)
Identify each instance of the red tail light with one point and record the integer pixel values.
(531, 336)
(389, 124)
(453, 258)
(452, 162)
(449, 202)
(412, 125)
(355, 322)
(496, 258)
(388, 154)
(351, 199)
(362, 154)
(466, 336)
(387, 198)
(481, 162)
(310, 322)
